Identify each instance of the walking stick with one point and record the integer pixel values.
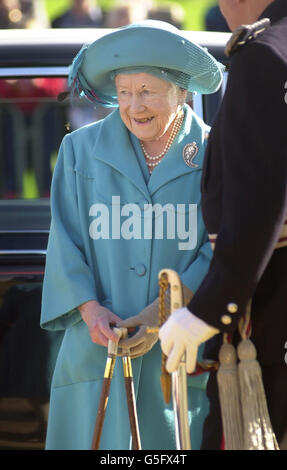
(109, 370)
(131, 402)
(130, 394)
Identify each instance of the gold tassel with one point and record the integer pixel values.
(229, 396)
(257, 429)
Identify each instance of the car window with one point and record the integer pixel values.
(32, 124)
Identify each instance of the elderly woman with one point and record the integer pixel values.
(126, 203)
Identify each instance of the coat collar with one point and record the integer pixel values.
(173, 165)
(113, 147)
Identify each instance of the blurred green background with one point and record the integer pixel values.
(194, 9)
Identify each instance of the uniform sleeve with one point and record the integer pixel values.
(68, 280)
(254, 189)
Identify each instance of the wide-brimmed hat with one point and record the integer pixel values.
(151, 46)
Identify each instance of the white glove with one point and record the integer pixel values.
(182, 333)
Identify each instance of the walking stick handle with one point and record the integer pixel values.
(113, 345)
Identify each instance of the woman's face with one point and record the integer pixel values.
(147, 104)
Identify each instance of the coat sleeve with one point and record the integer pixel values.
(194, 275)
(196, 271)
(68, 280)
(252, 137)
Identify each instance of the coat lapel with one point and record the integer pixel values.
(173, 165)
(113, 148)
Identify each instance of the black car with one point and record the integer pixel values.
(33, 71)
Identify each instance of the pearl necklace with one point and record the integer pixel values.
(152, 162)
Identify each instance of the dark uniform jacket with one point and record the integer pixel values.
(244, 191)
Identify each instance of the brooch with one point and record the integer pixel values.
(189, 152)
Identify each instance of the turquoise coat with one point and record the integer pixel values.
(118, 267)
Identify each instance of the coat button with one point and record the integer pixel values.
(140, 269)
(226, 319)
(232, 307)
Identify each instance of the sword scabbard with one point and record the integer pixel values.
(179, 377)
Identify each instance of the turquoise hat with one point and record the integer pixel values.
(151, 46)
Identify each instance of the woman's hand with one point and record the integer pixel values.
(99, 320)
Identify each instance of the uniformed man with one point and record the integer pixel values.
(244, 190)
